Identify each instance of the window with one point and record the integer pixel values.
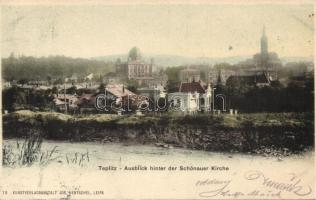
(202, 101)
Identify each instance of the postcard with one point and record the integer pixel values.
(157, 100)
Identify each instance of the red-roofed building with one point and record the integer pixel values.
(192, 87)
(117, 98)
(191, 98)
(65, 102)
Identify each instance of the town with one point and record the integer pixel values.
(138, 86)
(157, 99)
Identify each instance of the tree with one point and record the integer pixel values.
(132, 85)
(22, 81)
(219, 79)
(173, 78)
(50, 68)
(101, 87)
(55, 90)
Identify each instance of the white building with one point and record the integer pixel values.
(191, 98)
(66, 101)
(89, 77)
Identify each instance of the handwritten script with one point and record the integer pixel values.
(262, 186)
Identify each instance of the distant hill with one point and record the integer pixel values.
(53, 67)
(296, 59)
(174, 60)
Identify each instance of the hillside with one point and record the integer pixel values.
(174, 60)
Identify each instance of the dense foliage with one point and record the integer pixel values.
(48, 68)
(17, 98)
(297, 96)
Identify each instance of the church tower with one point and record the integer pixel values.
(264, 42)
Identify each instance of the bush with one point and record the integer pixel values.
(27, 153)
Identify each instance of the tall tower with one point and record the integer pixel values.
(264, 42)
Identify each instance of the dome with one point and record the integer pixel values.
(134, 54)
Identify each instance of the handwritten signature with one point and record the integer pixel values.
(268, 187)
(293, 185)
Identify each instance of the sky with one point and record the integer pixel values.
(186, 30)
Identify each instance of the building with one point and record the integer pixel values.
(89, 77)
(192, 97)
(72, 79)
(6, 84)
(117, 98)
(136, 68)
(265, 60)
(157, 80)
(260, 70)
(154, 95)
(38, 82)
(298, 69)
(220, 75)
(121, 68)
(259, 79)
(111, 78)
(66, 102)
(189, 75)
(118, 91)
(86, 103)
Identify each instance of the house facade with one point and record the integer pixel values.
(114, 98)
(191, 98)
(154, 95)
(259, 79)
(66, 102)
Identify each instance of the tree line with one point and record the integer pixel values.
(296, 96)
(52, 67)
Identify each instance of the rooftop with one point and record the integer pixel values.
(192, 87)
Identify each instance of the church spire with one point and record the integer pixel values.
(264, 30)
(264, 41)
